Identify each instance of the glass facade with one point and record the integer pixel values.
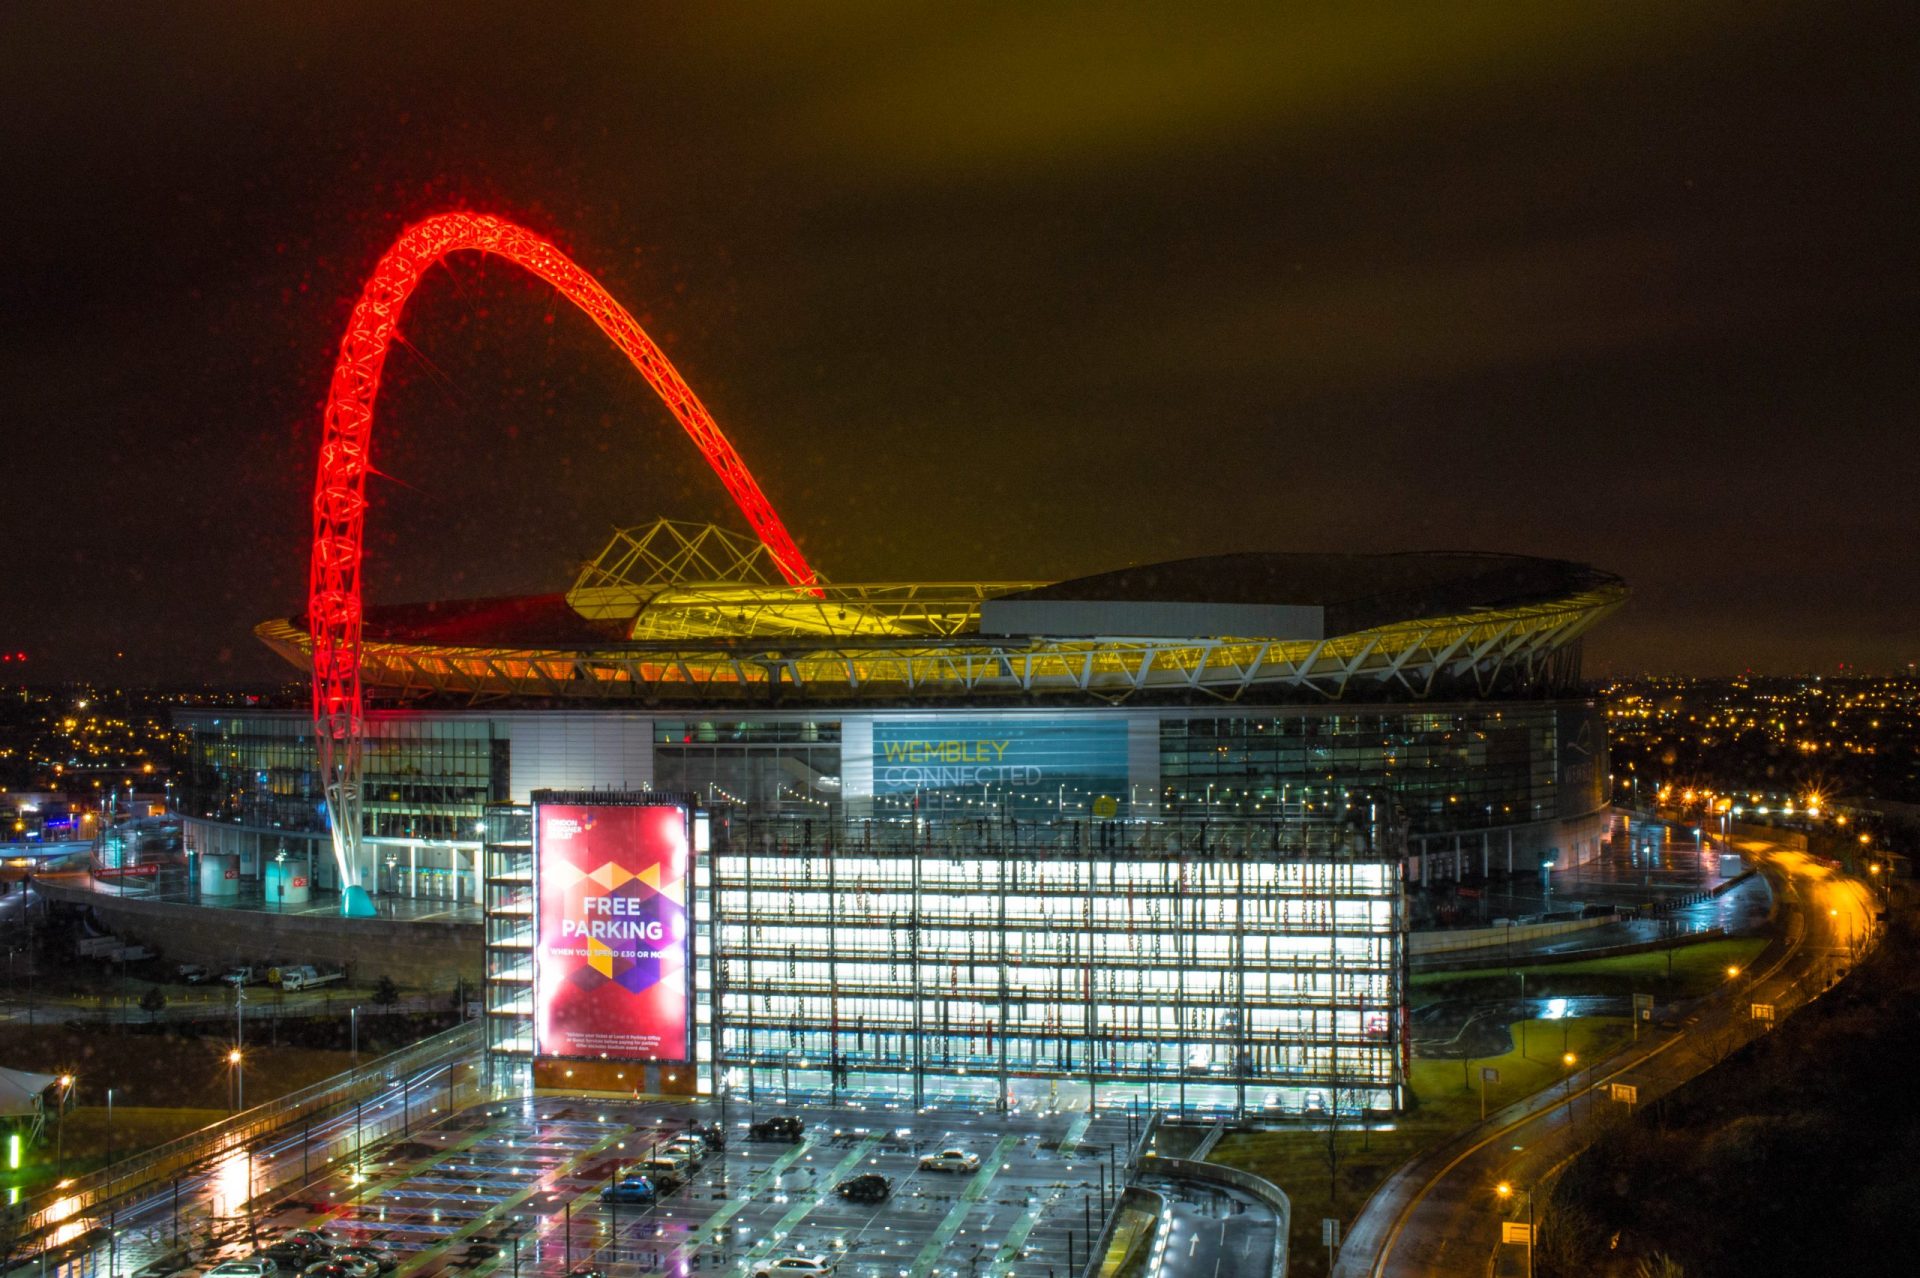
(1450, 768)
(1228, 965)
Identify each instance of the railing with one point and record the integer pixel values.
(98, 1188)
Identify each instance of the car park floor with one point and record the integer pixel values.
(514, 1188)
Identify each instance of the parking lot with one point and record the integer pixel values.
(517, 1189)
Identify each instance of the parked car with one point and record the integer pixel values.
(630, 1189)
(193, 974)
(252, 1267)
(692, 1147)
(785, 1127)
(379, 1257)
(319, 1239)
(951, 1160)
(292, 1257)
(343, 1266)
(665, 1173)
(869, 1188)
(712, 1133)
(792, 1267)
(238, 976)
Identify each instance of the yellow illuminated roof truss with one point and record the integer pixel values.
(707, 619)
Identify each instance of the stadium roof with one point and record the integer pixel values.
(673, 612)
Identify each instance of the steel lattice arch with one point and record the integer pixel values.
(334, 610)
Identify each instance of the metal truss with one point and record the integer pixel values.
(673, 580)
(1515, 648)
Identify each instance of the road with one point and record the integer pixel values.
(1214, 1231)
(1439, 1217)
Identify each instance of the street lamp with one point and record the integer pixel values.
(237, 1063)
(60, 1127)
(1506, 1191)
(1569, 1060)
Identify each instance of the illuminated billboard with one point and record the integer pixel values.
(611, 973)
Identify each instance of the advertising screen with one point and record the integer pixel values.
(1051, 762)
(610, 967)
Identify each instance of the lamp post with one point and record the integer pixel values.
(1507, 1191)
(1569, 1060)
(236, 1062)
(60, 1127)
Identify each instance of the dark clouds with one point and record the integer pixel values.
(986, 291)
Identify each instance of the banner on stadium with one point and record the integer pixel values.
(610, 968)
(1000, 754)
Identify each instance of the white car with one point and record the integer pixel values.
(792, 1267)
(953, 1160)
(259, 1267)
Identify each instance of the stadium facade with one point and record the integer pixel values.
(1143, 833)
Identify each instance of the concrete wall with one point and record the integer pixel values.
(423, 955)
(1447, 940)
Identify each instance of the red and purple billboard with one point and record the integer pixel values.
(610, 964)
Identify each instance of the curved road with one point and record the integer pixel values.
(1216, 1232)
(1438, 1217)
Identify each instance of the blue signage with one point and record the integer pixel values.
(1001, 755)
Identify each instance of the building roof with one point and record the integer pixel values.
(1284, 596)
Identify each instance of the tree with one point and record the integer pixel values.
(153, 1002)
(386, 994)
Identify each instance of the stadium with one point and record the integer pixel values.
(1140, 838)
(959, 835)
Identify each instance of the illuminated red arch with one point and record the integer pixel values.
(339, 499)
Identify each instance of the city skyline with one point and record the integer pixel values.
(1048, 299)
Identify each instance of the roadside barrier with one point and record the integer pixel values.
(92, 1192)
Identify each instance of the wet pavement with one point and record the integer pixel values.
(515, 1187)
(1213, 1231)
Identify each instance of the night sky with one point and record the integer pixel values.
(1008, 291)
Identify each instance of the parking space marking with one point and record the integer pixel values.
(718, 1221)
(419, 1259)
(799, 1210)
(974, 1192)
(1043, 1198)
(1074, 1133)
